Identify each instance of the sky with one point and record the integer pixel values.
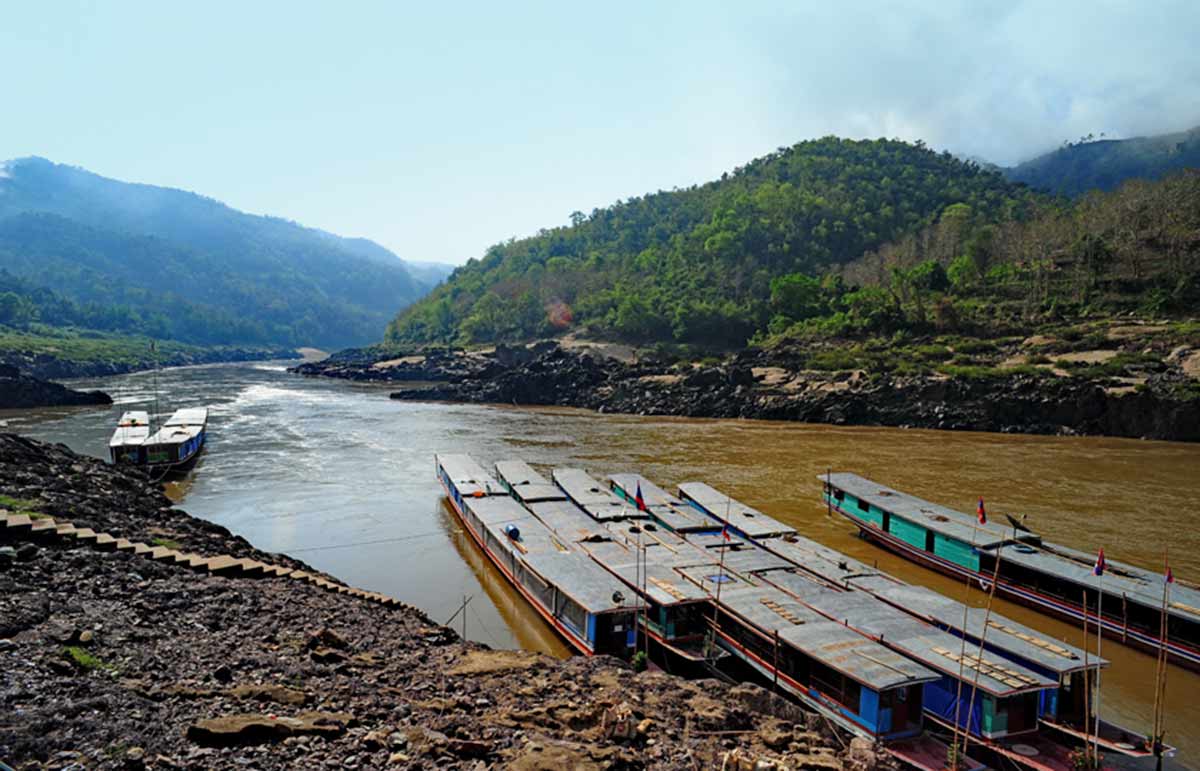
(438, 129)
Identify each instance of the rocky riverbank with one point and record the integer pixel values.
(115, 661)
(1157, 398)
(50, 367)
(19, 391)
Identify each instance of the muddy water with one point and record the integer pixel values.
(342, 477)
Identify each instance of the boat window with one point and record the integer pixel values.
(863, 505)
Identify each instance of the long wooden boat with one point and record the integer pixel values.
(177, 444)
(673, 617)
(1045, 576)
(585, 605)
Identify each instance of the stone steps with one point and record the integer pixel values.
(22, 526)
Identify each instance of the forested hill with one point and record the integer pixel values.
(697, 265)
(1104, 164)
(169, 263)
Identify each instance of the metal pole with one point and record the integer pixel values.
(1099, 641)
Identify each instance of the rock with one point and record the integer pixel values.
(327, 638)
(26, 552)
(8, 555)
(277, 694)
(397, 758)
(6, 644)
(469, 748)
(223, 674)
(327, 655)
(249, 729)
(86, 637)
(377, 740)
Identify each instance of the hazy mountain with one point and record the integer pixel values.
(176, 254)
(1104, 164)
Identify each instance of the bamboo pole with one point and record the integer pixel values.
(962, 652)
(987, 616)
(1087, 688)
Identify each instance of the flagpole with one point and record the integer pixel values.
(1099, 666)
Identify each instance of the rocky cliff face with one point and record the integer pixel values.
(19, 391)
(116, 661)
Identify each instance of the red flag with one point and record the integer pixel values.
(725, 532)
(1169, 577)
(982, 514)
(641, 502)
(1098, 570)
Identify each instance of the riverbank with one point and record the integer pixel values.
(18, 391)
(56, 354)
(118, 661)
(1130, 380)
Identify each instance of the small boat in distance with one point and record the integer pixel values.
(177, 444)
(125, 447)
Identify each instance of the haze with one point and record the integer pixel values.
(439, 131)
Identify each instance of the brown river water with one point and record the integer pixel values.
(340, 476)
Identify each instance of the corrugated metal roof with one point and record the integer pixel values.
(663, 584)
(568, 520)
(189, 416)
(132, 429)
(592, 496)
(1013, 638)
(526, 483)
(671, 511)
(932, 516)
(468, 476)
(817, 558)
(855, 656)
(717, 504)
(583, 581)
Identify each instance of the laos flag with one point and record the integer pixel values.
(1098, 570)
(981, 513)
(638, 499)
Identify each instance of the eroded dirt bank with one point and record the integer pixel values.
(113, 660)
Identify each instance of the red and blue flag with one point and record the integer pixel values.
(1098, 570)
(981, 513)
(638, 499)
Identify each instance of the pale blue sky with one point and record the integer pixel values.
(438, 129)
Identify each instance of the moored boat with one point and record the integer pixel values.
(177, 444)
(1054, 579)
(588, 608)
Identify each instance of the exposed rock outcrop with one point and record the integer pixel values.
(18, 391)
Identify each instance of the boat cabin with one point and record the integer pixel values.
(179, 439)
(742, 519)
(125, 446)
(593, 497)
(663, 507)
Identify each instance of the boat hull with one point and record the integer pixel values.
(1181, 655)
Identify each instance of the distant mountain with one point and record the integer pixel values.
(1105, 164)
(191, 266)
(430, 273)
(702, 265)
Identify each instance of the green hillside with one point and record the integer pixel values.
(702, 264)
(170, 263)
(1103, 165)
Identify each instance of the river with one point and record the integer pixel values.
(342, 477)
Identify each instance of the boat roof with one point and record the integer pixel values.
(708, 575)
(817, 558)
(189, 416)
(927, 644)
(582, 580)
(1013, 638)
(173, 434)
(496, 509)
(526, 483)
(467, 476)
(749, 559)
(932, 516)
(721, 507)
(771, 610)
(1138, 585)
(668, 509)
(865, 661)
(663, 584)
(132, 429)
(568, 520)
(593, 497)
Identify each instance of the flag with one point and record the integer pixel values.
(639, 500)
(1098, 570)
(981, 513)
(1169, 577)
(725, 532)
